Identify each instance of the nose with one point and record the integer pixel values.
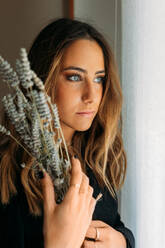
(89, 93)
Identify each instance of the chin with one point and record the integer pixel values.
(81, 129)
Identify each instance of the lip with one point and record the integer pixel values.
(89, 113)
(86, 112)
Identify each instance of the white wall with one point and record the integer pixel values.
(143, 73)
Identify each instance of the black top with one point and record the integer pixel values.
(19, 229)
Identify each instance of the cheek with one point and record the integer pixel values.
(66, 99)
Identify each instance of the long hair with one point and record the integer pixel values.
(100, 147)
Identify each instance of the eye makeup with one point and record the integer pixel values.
(75, 77)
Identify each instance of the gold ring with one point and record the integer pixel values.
(97, 234)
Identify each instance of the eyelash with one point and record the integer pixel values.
(80, 78)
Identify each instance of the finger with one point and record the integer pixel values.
(92, 244)
(48, 194)
(92, 233)
(103, 231)
(90, 192)
(92, 205)
(76, 178)
(93, 201)
(89, 195)
(98, 223)
(76, 173)
(84, 184)
(99, 197)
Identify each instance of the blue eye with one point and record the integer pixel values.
(74, 77)
(99, 79)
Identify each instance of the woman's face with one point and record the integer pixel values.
(79, 86)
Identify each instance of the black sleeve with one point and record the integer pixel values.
(125, 231)
(11, 226)
(119, 226)
(19, 229)
(106, 210)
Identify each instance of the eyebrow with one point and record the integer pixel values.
(81, 70)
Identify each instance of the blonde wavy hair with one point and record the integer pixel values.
(100, 147)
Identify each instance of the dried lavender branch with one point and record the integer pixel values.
(35, 119)
(57, 125)
(8, 74)
(8, 133)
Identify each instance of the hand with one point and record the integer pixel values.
(108, 238)
(66, 224)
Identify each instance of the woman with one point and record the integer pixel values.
(78, 69)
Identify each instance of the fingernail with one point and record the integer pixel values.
(99, 196)
(40, 175)
(75, 156)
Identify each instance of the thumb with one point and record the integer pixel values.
(48, 193)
